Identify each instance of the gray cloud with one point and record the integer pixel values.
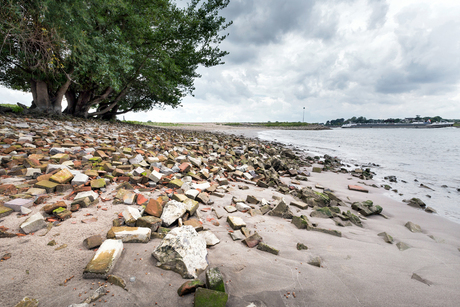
(379, 13)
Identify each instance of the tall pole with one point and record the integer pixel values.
(303, 115)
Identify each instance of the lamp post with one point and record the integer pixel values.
(303, 115)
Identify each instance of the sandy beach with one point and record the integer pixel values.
(357, 269)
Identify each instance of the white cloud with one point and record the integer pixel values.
(336, 58)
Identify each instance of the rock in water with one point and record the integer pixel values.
(183, 251)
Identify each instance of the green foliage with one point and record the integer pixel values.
(120, 56)
(14, 107)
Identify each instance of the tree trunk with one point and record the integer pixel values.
(57, 102)
(40, 95)
(71, 102)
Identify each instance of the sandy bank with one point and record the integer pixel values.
(358, 269)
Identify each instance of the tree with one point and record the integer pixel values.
(108, 57)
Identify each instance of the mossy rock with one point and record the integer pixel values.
(210, 298)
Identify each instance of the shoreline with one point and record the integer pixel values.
(357, 269)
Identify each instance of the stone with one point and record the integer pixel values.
(98, 293)
(316, 169)
(416, 203)
(430, 210)
(203, 198)
(129, 198)
(327, 231)
(267, 248)
(236, 235)
(357, 188)
(222, 181)
(192, 193)
(104, 260)
(215, 280)
(154, 208)
(91, 194)
(117, 281)
(366, 208)
(33, 223)
(62, 213)
(49, 186)
(281, 210)
(130, 234)
(235, 222)
(210, 298)
(301, 246)
(315, 261)
(27, 302)
(155, 176)
(402, 246)
(230, 209)
(413, 227)
(190, 286)
(136, 160)
(250, 199)
(253, 240)
(209, 237)
(98, 183)
(131, 215)
(93, 241)
(242, 207)
(299, 204)
(62, 177)
(5, 211)
(148, 221)
(175, 183)
(386, 237)
(18, 203)
(194, 223)
(324, 213)
(48, 209)
(182, 251)
(172, 211)
(79, 179)
(81, 202)
(191, 206)
(301, 222)
(179, 197)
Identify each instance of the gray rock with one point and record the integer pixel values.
(98, 293)
(413, 227)
(79, 178)
(172, 211)
(33, 223)
(215, 280)
(182, 251)
(18, 203)
(386, 237)
(402, 246)
(281, 210)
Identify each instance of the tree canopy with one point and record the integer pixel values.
(108, 57)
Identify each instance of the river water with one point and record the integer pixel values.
(415, 156)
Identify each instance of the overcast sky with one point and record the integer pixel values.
(336, 58)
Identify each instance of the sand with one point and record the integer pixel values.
(358, 269)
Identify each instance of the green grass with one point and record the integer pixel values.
(457, 124)
(232, 124)
(135, 122)
(15, 107)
